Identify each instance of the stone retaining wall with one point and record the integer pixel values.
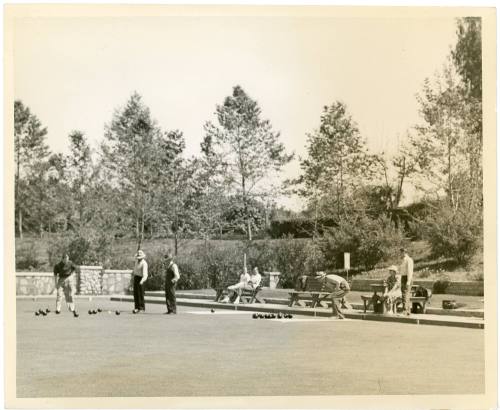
(466, 288)
(34, 283)
(90, 280)
(116, 282)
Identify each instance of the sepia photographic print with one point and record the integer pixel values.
(250, 206)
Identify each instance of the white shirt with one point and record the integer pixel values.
(244, 278)
(141, 268)
(255, 279)
(406, 268)
(175, 269)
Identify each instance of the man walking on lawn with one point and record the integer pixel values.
(406, 272)
(64, 277)
(171, 270)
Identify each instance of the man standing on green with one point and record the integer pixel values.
(406, 272)
(171, 272)
(64, 279)
(140, 276)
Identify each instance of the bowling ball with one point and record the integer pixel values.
(255, 316)
(261, 316)
(90, 312)
(212, 310)
(117, 312)
(99, 310)
(40, 311)
(94, 312)
(37, 313)
(43, 313)
(290, 316)
(280, 315)
(47, 310)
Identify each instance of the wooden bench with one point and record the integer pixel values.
(247, 295)
(315, 293)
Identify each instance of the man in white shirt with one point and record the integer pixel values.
(172, 276)
(140, 276)
(406, 272)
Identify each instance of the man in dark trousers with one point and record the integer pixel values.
(64, 277)
(140, 276)
(171, 271)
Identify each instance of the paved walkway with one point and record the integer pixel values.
(184, 299)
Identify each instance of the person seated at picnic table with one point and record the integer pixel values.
(393, 289)
(339, 288)
(231, 290)
(248, 282)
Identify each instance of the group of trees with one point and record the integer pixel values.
(442, 157)
(140, 182)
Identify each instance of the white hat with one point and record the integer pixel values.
(140, 254)
(393, 268)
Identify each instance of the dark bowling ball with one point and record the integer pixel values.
(47, 310)
(261, 316)
(37, 313)
(117, 312)
(212, 310)
(255, 316)
(94, 312)
(43, 313)
(90, 312)
(40, 311)
(99, 310)
(280, 316)
(290, 316)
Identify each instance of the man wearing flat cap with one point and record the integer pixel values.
(140, 276)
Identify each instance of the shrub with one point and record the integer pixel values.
(27, 259)
(87, 247)
(475, 276)
(454, 233)
(368, 240)
(441, 285)
(296, 257)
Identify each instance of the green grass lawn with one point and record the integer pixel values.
(225, 354)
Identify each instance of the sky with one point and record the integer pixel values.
(74, 72)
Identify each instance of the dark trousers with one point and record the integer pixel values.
(405, 293)
(138, 294)
(170, 296)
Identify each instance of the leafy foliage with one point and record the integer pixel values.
(246, 148)
(369, 241)
(454, 233)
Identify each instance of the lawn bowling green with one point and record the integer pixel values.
(200, 353)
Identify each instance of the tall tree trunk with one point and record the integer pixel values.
(16, 194)
(245, 208)
(20, 222)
